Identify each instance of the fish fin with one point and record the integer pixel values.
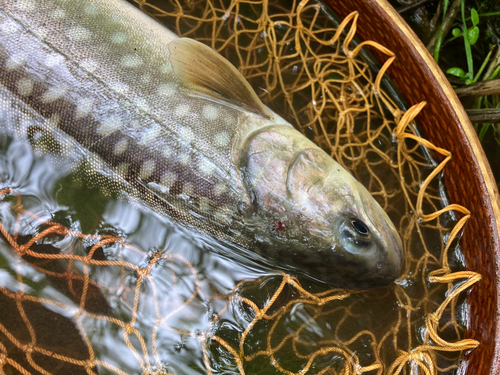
(195, 63)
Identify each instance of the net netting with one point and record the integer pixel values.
(311, 72)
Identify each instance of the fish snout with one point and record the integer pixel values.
(389, 243)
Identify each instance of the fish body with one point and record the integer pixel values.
(173, 124)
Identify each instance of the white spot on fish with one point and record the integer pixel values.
(58, 14)
(53, 121)
(89, 65)
(119, 87)
(68, 151)
(15, 61)
(78, 33)
(220, 188)
(186, 133)
(222, 215)
(167, 152)
(122, 169)
(184, 159)
(119, 37)
(90, 9)
(210, 112)
(146, 78)
(116, 18)
(53, 60)
(206, 167)
(109, 125)
(150, 135)
(142, 104)
(167, 89)
(168, 179)
(131, 61)
(25, 86)
(24, 5)
(205, 204)
(166, 68)
(120, 147)
(83, 108)
(222, 139)
(147, 169)
(182, 110)
(54, 93)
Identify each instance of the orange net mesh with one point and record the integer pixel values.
(314, 76)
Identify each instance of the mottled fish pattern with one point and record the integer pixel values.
(145, 108)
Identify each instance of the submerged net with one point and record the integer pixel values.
(312, 74)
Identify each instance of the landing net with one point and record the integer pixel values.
(312, 74)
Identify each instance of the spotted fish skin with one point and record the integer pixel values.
(118, 83)
(80, 66)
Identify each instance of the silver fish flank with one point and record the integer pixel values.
(173, 124)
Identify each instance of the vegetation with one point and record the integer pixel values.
(464, 38)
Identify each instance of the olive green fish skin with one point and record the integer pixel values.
(109, 77)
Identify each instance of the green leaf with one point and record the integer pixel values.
(473, 33)
(457, 72)
(456, 32)
(474, 17)
(484, 129)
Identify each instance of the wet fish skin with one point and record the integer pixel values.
(199, 148)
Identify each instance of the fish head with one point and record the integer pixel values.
(320, 219)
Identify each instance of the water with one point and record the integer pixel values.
(157, 297)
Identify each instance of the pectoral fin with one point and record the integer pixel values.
(195, 63)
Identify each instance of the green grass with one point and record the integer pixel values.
(467, 48)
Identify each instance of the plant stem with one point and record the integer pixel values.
(468, 51)
(493, 65)
(434, 45)
(435, 19)
(483, 65)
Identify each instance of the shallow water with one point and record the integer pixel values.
(197, 296)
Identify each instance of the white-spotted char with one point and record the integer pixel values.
(173, 124)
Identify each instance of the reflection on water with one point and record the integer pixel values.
(190, 269)
(183, 304)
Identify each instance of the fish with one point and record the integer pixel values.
(172, 124)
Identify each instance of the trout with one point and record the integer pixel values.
(171, 123)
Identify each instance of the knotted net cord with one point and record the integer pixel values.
(314, 76)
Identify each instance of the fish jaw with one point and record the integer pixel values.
(310, 213)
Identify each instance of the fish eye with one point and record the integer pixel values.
(359, 227)
(355, 236)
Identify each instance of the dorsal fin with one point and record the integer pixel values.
(195, 63)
